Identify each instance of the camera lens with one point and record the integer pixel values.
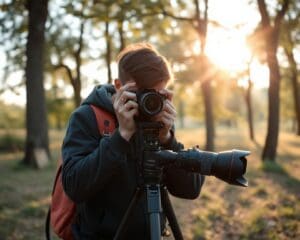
(151, 103)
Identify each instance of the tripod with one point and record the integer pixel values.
(157, 195)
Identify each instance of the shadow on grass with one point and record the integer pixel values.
(279, 175)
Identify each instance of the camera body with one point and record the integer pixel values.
(150, 103)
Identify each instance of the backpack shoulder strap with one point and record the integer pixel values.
(106, 121)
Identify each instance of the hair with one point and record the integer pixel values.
(142, 63)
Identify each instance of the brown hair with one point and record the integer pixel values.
(142, 63)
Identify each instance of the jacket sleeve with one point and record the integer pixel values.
(181, 183)
(89, 161)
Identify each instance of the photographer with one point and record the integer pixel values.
(100, 173)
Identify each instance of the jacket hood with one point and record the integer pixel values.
(101, 97)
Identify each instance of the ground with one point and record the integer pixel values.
(268, 209)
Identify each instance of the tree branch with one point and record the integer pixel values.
(12, 88)
(281, 13)
(168, 14)
(265, 19)
(68, 70)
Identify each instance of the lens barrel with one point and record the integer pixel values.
(150, 102)
(229, 166)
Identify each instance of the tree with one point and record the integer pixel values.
(289, 38)
(248, 98)
(200, 23)
(37, 142)
(65, 46)
(270, 33)
(13, 34)
(247, 94)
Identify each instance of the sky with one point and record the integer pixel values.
(226, 47)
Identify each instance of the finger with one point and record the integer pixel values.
(130, 105)
(169, 107)
(128, 86)
(165, 117)
(126, 96)
(131, 113)
(127, 107)
(167, 93)
(167, 122)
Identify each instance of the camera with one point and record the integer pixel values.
(153, 158)
(150, 103)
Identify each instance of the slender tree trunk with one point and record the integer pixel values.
(121, 34)
(209, 118)
(249, 109)
(77, 95)
(37, 142)
(295, 84)
(77, 80)
(108, 52)
(205, 79)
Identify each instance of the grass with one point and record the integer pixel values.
(268, 209)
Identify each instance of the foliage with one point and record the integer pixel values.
(11, 143)
(13, 31)
(11, 116)
(287, 102)
(59, 108)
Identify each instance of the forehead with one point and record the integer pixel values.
(157, 86)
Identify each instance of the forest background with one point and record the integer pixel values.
(236, 66)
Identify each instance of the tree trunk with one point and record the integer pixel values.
(108, 52)
(269, 151)
(296, 95)
(121, 35)
(271, 36)
(209, 118)
(77, 93)
(199, 23)
(37, 142)
(76, 82)
(205, 79)
(249, 109)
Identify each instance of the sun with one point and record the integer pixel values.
(229, 51)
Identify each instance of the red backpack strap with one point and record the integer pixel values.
(106, 121)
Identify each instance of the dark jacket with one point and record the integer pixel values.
(100, 175)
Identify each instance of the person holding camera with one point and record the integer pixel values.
(100, 172)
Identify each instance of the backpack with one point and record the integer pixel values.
(61, 213)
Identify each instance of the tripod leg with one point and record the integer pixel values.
(154, 210)
(167, 205)
(122, 227)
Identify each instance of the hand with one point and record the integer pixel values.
(126, 108)
(167, 117)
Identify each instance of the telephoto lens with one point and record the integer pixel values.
(229, 166)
